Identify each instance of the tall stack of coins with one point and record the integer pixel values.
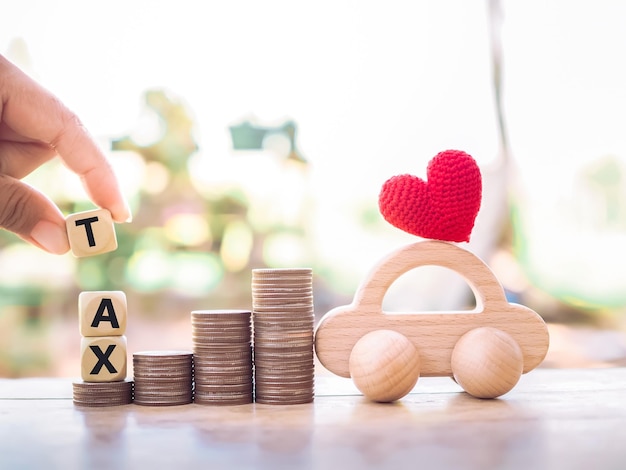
(222, 357)
(103, 393)
(283, 320)
(163, 378)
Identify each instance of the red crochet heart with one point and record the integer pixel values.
(444, 207)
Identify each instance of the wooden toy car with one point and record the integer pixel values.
(485, 349)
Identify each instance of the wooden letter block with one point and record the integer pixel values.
(103, 359)
(102, 313)
(91, 232)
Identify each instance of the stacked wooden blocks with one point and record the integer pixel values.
(102, 319)
(102, 314)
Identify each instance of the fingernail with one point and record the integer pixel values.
(50, 237)
(123, 213)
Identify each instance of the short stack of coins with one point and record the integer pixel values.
(103, 393)
(283, 319)
(222, 346)
(163, 378)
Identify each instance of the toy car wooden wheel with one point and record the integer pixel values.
(384, 365)
(518, 336)
(487, 362)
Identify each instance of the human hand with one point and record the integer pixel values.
(34, 128)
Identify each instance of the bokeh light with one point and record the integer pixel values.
(236, 246)
(149, 270)
(377, 94)
(195, 274)
(187, 229)
(285, 249)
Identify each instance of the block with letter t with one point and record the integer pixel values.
(103, 358)
(102, 313)
(91, 232)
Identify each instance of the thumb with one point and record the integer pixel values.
(32, 216)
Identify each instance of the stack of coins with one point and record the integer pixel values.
(283, 320)
(222, 356)
(103, 393)
(163, 378)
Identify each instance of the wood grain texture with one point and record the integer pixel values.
(103, 358)
(91, 232)
(384, 365)
(434, 334)
(487, 362)
(102, 313)
(553, 419)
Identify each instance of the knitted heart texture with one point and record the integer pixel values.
(442, 208)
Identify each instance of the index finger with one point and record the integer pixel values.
(35, 113)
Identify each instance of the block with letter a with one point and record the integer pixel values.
(91, 232)
(102, 313)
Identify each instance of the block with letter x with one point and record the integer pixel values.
(103, 358)
(102, 313)
(91, 232)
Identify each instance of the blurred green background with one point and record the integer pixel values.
(253, 134)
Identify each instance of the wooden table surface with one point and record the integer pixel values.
(553, 419)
